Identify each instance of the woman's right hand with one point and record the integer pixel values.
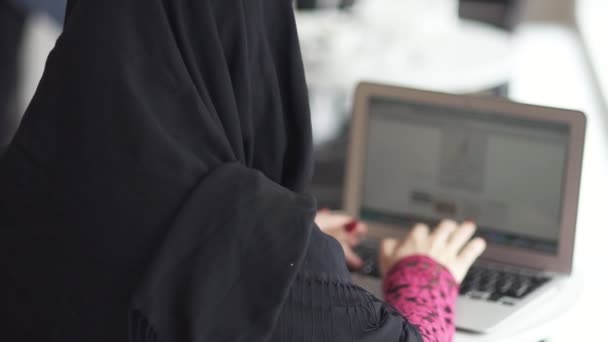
(450, 245)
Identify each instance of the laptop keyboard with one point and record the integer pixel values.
(488, 282)
(369, 255)
(494, 284)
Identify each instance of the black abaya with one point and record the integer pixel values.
(157, 189)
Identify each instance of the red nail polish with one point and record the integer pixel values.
(350, 227)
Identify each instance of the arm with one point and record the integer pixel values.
(425, 292)
(421, 274)
(346, 230)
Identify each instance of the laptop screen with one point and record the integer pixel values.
(425, 163)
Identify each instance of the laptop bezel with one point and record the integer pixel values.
(560, 263)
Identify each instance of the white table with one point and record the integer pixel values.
(550, 69)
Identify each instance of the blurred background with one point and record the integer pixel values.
(546, 52)
(28, 29)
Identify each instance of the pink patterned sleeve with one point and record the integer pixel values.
(425, 292)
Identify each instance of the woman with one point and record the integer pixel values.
(157, 189)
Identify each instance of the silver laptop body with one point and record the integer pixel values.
(514, 169)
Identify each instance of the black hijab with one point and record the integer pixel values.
(156, 190)
(157, 184)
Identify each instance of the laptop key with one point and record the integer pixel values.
(508, 301)
(480, 295)
(495, 297)
(499, 284)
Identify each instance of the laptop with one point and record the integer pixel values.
(514, 169)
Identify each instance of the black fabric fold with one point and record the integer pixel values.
(157, 188)
(237, 269)
(140, 102)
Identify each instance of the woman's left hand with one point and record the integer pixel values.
(346, 230)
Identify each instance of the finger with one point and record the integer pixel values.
(443, 232)
(460, 237)
(322, 214)
(388, 246)
(340, 219)
(386, 253)
(352, 259)
(352, 232)
(329, 221)
(471, 252)
(352, 226)
(351, 239)
(419, 233)
(358, 230)
(361, 230)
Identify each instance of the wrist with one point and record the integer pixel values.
(415, 267)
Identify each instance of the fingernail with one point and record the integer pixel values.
(351, 226)
(325, 210)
